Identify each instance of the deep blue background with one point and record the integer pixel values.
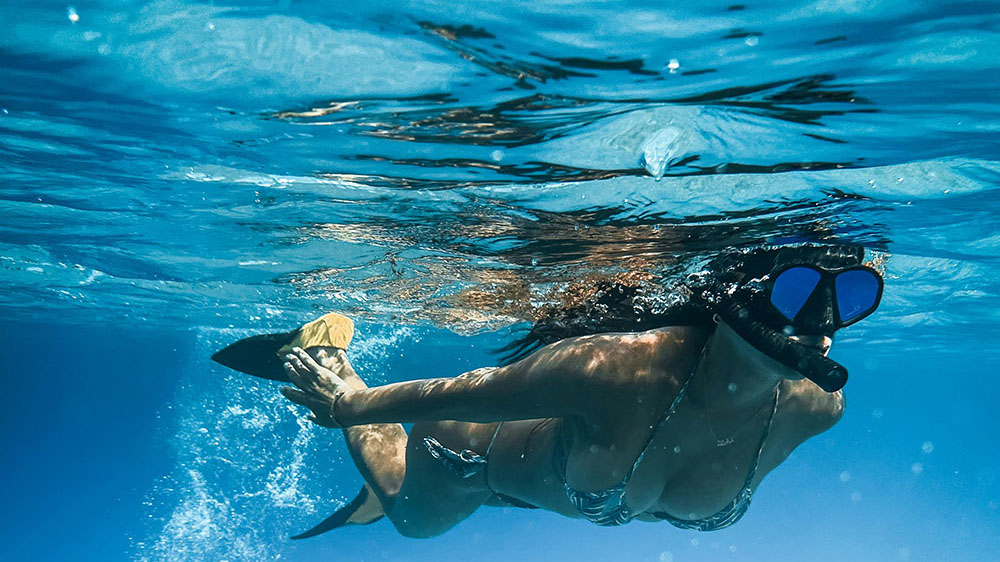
(154, 208)
(82, 436)
(88, 415)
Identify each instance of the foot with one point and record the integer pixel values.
(335, 359)
(316, 387)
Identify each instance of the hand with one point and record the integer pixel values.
(318, 387)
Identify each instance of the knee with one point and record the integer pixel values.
(422, 527)
(419, 530)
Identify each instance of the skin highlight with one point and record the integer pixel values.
(598, 397)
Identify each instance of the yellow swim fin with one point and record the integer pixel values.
(260, 355)
(329, 330)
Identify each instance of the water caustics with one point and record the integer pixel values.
(448, 167)
(235, 168)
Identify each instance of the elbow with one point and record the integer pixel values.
(832, 412)
(839, 404)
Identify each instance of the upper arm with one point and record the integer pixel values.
(575, 377)
(561, 380)
(605, 374)
(570, 377)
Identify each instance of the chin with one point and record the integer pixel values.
(793, 375)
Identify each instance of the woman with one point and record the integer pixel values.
(678, 423)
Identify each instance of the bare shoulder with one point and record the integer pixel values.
(616, 361)
(627, 354)
(810, 409)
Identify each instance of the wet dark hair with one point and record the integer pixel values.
(725, 279)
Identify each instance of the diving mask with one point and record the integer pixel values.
(818, 301)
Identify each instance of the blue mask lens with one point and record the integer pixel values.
(792, 288)
(856, 294)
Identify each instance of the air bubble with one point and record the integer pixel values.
(927, 447)
(72, 15)
(845, 476)
(917, 468)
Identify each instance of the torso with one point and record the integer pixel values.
(683, 473)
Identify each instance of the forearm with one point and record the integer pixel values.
(483, 395)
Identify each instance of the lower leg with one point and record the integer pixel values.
(378, 450)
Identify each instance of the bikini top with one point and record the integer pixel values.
(608, 508)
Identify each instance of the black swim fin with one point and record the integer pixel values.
(257, 355)
(364, 509)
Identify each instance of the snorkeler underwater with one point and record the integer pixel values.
(416, 281)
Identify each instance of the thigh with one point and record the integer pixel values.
(432, 498)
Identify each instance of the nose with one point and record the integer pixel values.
(817, 315)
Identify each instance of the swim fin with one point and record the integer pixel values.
(260, 355)
(364, 509)
(257, 355)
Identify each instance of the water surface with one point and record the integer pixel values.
(177, 175)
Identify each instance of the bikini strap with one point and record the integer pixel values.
(763, 438)
(493, 440)
(670, 411)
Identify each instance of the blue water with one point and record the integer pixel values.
(177, 175)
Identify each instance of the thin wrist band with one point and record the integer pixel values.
(333, 408)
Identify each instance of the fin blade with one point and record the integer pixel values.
(343, 515)
(257, 355)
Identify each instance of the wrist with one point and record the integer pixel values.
(333, 408)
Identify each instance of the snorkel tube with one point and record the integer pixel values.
(825, 372)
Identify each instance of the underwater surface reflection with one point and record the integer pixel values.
(178, 175)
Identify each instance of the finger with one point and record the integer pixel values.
(296, 395)
(301, 368)
(294, 376)
(307, 360)
(303, 377)
(322, 378)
